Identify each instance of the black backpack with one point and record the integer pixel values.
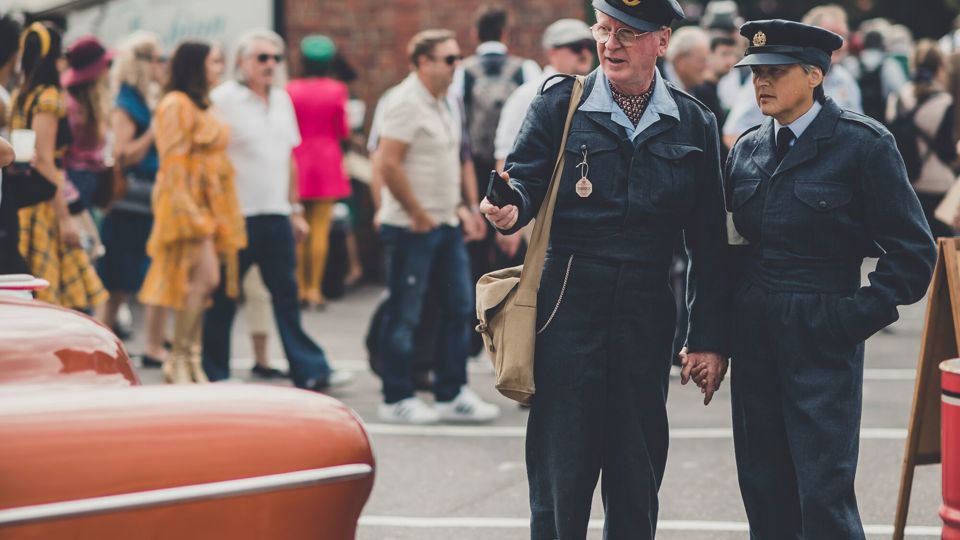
(871, 91)
(907, 134)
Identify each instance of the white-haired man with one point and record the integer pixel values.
(687, 55)
(264, 132)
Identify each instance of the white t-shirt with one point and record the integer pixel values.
(262, 138)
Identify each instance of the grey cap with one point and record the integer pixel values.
(565, 32)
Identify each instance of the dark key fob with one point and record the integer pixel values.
(499, 192)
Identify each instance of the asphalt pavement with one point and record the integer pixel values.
(465, 482)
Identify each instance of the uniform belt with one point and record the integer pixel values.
(792, 275)
(642, 275)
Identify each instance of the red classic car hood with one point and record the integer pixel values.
(44, 344)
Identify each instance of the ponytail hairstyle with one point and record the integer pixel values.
(41, 47)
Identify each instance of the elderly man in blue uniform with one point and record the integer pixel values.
(815, 189)
(641, 168)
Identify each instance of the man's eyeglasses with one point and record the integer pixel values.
(449, 59)
(264, 58)
(625, 36)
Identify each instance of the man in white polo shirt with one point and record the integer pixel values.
(421, 163)
(264, 132)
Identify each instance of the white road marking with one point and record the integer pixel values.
(874, 434)
(662, 525)
(483, 367)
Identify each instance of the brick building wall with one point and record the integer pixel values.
(373, 34)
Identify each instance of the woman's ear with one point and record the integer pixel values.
(815, 78)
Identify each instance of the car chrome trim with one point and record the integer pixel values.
(183, 494)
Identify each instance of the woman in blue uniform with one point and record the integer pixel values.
(815, 189)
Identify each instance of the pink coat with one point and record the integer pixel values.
(321, 107)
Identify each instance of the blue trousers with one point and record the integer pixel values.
(601, 370)
(796, 389)
(412, 260)
(270, 245)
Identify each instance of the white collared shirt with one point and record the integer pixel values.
(801, 124)
(262, 138)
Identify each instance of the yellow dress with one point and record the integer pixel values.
(73, 281)
(194, 196)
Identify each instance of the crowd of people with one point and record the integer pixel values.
(154, 180)
(151, 178)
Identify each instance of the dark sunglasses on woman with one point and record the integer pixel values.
(264, 58)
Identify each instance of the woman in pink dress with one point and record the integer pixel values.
(320, 103)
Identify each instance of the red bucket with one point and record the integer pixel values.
(950, 448)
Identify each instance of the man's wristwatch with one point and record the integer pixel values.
(296, 208)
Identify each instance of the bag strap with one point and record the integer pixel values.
(537, 250)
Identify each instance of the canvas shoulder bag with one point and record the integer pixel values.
(507, 299)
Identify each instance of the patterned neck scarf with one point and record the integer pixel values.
(633, 105)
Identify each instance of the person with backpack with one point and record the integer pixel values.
(485, 81)
(878, 74)
(920, 116)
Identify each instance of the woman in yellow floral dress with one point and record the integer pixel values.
(197, 221)
(49, 239)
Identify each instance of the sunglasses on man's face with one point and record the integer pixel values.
(449, 59)
(580, 47)
(264, 58)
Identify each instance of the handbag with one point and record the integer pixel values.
(507, 298)
(111, 186)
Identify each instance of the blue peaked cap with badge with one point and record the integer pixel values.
(644, 15)
(780, 42)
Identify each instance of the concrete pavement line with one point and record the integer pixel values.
(662, 525)
(870, 374)
(520, 431)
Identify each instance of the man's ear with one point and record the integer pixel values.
(664, 41)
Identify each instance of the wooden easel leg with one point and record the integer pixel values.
(903, 500)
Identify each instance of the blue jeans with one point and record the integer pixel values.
(86, 184)
(413, 259)
(270, 245)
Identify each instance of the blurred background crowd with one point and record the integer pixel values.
(119, 92)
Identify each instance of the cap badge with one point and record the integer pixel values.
(759, 39)
(631, 3)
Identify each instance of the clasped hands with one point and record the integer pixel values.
(706, 369)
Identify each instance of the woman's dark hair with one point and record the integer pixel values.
(927, 63)
(35, 68)
(9, 39)
(314, 68)
(188, 72)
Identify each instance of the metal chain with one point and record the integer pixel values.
(563, 289)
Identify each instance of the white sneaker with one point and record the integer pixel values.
(408, 411)
(338, 378)
(467, 407)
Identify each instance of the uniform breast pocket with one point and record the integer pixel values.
(602, 167)
(669, 181)
(824, 210)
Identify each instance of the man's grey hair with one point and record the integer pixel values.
(685, 40)
(247, 41)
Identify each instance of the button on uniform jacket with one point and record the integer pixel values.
(646, 192)
(840, 194)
